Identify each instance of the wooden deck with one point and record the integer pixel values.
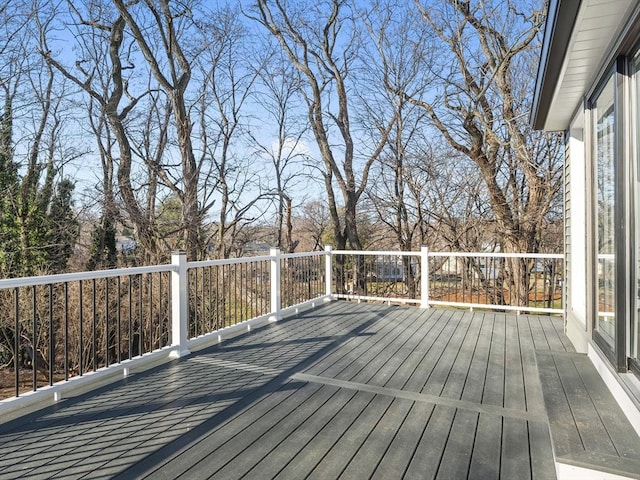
(344, 391)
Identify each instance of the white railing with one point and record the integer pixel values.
(70, 327)
(67, 329)
(520, 282)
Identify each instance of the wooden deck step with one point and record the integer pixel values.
(588, 428)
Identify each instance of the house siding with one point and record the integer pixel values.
(568, 257)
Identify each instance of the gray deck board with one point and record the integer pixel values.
(456, 381)
(417, 363)
(459, 448)
(515, 449)
(514, 392)
(618, 429)
(474, 384)
(313, 440)
(378, 442)
(588, 428)
(404, 445)
(326, 459)
(493, 393)
(426, 461)
(446, 354)
(485, 459)
(343, 391)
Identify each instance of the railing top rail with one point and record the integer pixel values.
(397, 253)
(317, 253)
(449, 254)
(497, 255)
(229, 261)
(75, 277)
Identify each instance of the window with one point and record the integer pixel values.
(605, 158)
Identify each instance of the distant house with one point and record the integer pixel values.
(125, 244)
(385, 270)
(256, 248)
(588, 86)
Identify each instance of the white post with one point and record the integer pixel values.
(424, 276)
(328, 270)
(276, 298)
(179, 304)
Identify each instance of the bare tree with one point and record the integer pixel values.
(314, 222)
(322, 42)
(230, 185)
(481, 108)
(171, 66)
(285, 151)
(100, 27)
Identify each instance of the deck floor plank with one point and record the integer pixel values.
(515, 458)
(456, 381)
(532, 387)
(485, 459)
(429, 361)
(566, 436)
(458, 451)
(435, 383)
(405, 442)
(540, 341)
(494, 381)
(375, 447)
(386, 357)
(514, 392)
(326, 458)
(299, 456)
(403, 358)
(342, 391)
(416, 362)
(620, 431)
(476, 376)
(426, 461)
(593, 434)
(302, 422)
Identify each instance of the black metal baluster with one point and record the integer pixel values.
(51, 335)
(243, 311)
(16, 336)
(160, 312)
(150, 277)
(119, 320)
(210, 299)
(107, 330)
(94, 327)
(195, 302)
(34, 359)
(130, 299)
(218, 288)
(140, 319)
(66, 331)
(81, 318)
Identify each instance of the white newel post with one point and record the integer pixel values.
(328, 270)
(424, 276)
(276, 299)
(179, 304)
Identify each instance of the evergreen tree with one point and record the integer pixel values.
(8, 191)
(63, 227)
(38, 229)
(103, 246)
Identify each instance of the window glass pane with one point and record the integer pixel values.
(635, 326)
(605, 205)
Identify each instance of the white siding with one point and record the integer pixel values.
(576, 221)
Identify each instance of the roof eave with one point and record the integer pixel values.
(559, 26)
